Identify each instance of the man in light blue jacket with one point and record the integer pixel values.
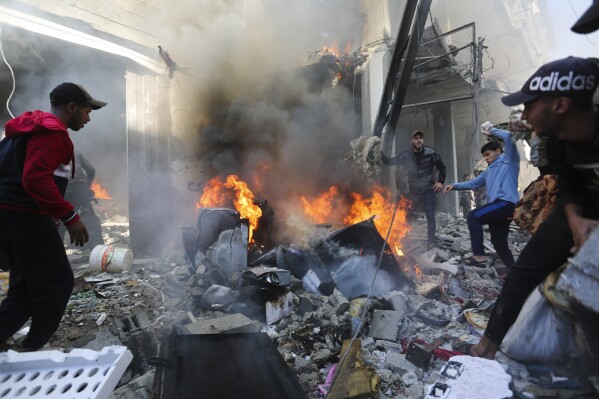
(501, 181)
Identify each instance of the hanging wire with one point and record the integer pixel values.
(14, 82)
(378, 266)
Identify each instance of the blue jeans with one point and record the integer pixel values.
(497, 215)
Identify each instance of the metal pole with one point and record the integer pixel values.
(478, 71)
(401, 43)
(406, 72)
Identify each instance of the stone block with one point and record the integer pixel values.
(218, 295)
(385, 324)
(398, 363)
(231, 323)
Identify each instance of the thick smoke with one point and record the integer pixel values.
(249, 96)
(252, 95)
(40, 63)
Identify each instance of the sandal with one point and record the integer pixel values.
(472, 261)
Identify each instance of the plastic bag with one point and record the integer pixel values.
(541, 333)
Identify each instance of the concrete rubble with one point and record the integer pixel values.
(404, 349)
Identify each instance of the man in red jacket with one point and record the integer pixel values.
(36, 157)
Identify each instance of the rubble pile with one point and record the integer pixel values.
(402, 347)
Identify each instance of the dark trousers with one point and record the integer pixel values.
(426, 201)
(547, 250)
(497, 215)
(41, 279)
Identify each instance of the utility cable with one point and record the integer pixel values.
(14, 82)
(365, 309)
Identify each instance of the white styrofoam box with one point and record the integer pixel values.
(474, 376)
(79, 374)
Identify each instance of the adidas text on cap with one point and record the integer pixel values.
(568, 77)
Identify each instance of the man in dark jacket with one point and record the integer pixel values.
(423, 182)
(35, 157)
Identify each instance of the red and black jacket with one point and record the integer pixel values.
(34, 166)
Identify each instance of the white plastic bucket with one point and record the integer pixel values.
(107, 258)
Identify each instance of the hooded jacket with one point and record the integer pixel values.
(34, 166)
(501, 176)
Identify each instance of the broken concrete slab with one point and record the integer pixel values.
(398, 363)
(399, 300)
(385, 324)
(231, 323)
(218, 295)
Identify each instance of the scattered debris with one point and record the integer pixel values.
(306, 304)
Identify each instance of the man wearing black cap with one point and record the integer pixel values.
(423, 182)
(35, 158)
(558, 104)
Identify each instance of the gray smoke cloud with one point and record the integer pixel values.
(248, 91)
(252, 95)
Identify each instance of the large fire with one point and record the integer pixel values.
(244, 201)
(99, 191)
(216, 193)
(319, 209)
(324, 208)
(381, 206)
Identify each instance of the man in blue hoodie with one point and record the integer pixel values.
(501, 180)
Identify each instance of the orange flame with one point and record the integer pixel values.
(380, 205)
(99, 191)
(409, 269)
(214, 194)
(319, 209)
(418, 271)
(244, 202)
(334, 49)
